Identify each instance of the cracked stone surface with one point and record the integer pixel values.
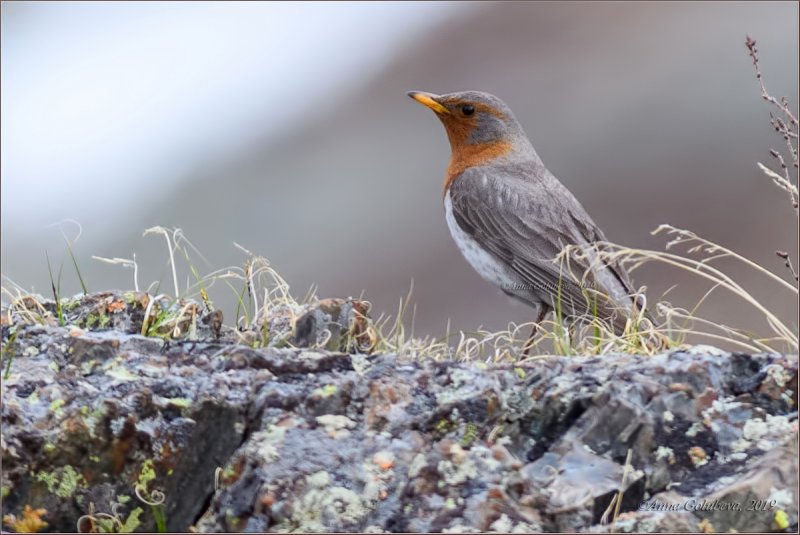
(103, 420)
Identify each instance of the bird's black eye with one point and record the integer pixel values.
(467, 109)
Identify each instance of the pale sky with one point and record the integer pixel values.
(106, 104)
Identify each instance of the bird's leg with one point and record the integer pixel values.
(543, 310)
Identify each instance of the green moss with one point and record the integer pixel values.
(105, 525)
(49, 447)
(231, 520)
(470, 434)
(122, 374)
(520, 373)
(96, 319)
(5, 491)
(228, 472)
(132, 522)
(55, 407)
(65, 485)
(182, 403)
(147, 473)
(326, 391)
(70, 481)
(159, 324)
(123, 499)
(444, 426)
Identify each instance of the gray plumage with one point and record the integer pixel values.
(511, 217)
(523, 216)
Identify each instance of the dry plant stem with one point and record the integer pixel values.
(718, 277)
(787, 131)
(785, 256)
(781, 105)
(165, 233)
(609, 252)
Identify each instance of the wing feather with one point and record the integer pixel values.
(524, 217)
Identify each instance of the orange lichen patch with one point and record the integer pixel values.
(698, 456)
(383, 398)
(75, 331)
(168, 458)
(31, 521)
(384, 460)
(499, 452)
(115, 306)
(229, 477)
(267, 500)
(706, 399)
(75, 425)
(121, 446)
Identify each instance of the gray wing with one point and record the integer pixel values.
(524, 217)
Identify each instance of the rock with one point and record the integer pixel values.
(105, 425)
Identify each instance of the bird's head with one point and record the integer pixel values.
(473, 118)
(481, 128)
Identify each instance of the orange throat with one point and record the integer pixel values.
(465, 156)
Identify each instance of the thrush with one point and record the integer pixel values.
(510, 217)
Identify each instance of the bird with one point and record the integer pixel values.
(510, 217)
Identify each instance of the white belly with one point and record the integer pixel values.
(481, 261)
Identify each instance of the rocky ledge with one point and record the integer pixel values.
(107, 430)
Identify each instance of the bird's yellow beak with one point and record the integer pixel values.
(429, 100)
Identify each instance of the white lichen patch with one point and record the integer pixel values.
(322, 506)
(502, 525)
(665, 453)
(506, 525)
(336, 425)
(702, 349)
(783, 498)
(460, 528)
(319, 480)
(764, 434)
(694, 429)
(668, 417)
(417, 464)
(778, 374)
(360, 363)
(380, 471)
(455, 474)
(265, 443)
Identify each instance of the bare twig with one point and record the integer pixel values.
(785, 256)
(780, 104)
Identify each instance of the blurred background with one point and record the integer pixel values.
(285, 127)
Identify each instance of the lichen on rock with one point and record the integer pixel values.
(242, 438)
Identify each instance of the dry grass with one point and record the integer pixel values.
(262, 293)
